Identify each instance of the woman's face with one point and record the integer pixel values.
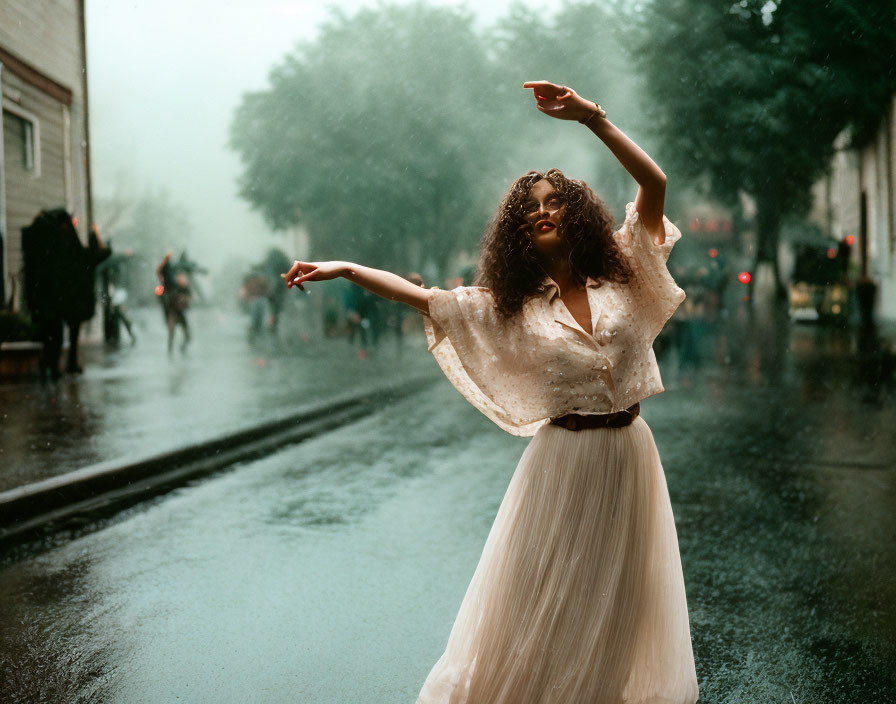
(544, 209)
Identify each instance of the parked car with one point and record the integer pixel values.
(819, 290)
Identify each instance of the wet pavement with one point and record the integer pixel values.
(136, 400)
(332, 571)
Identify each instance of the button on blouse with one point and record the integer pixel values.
(541, 364)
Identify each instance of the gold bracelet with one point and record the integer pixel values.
(599, 111)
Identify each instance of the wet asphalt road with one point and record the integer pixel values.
(136, 400)
(332, 571)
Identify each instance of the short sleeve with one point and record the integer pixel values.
(655, 291)
(480, 355)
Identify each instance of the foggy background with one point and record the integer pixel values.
(165, 78)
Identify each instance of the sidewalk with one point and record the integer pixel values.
(136, 400)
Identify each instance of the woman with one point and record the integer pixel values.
(175, 298)
(578, 596)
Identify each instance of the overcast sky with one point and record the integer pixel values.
(165, 77)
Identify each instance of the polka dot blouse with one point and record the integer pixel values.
(541, 364)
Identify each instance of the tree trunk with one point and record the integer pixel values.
(768, 230)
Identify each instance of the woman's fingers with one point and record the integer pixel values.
(295, 269)
(540, 84)
(295, 281)
(298, 270)
(552, 99)
(310, 275)
(544, 88)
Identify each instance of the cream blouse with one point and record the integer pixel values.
(541, 364)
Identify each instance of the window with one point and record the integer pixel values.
(24, 132)
(27, 144)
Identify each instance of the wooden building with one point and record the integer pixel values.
(44, 150)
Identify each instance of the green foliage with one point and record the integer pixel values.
(393, 135)
(378, 134)
(752, 94)
(155, 222)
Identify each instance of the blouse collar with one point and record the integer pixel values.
(552, 290)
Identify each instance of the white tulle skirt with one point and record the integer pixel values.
(578, 597)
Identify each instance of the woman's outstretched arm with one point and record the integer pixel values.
(382, 283)
(565, 104)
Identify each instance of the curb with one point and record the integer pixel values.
(107, 487)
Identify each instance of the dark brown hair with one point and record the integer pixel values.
(508, 262)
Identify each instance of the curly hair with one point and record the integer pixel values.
(508, 263)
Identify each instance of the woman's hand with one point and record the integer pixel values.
(313, 271)
(560, 101)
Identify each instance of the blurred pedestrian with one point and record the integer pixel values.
(45, 286)
(579, 594)
(118, 298)
(60, 284)
(191, 268)
(274, 263)
(114, 295)
(82, 301)
(175, 298)
(409, 323)
(255, 293)
(363, 318)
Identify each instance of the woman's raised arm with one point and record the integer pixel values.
(382, 283)
(565, 104)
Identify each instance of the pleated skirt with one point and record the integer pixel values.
(578, 597)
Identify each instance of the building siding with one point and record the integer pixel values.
(46, 36)
(26, 193)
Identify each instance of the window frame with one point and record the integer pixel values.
(31, 157)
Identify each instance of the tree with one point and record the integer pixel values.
(752, 94)
(392, 136)
(157, 222)
(379, 136)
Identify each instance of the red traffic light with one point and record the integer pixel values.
(744, 277)
(713, 253)
(832, 252)
(850, 240)
(160, 290)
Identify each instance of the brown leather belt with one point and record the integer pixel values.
(575, 421)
